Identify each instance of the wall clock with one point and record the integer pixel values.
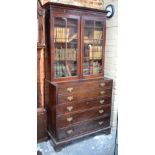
(110, 10)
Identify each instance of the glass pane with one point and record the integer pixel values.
(60, 30)
(66, 47)
(72, 22)
(89, 30)
(71, 58)
(89, 23)
(93, 47)
(99, 24)
(98, 33)
(97, 50)
(87, 66)
(72, 25)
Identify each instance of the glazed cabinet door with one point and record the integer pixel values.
(93, 35)
(66, 46)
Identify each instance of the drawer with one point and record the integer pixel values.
(71, 118)
(83, 105)
(84, 127)
(75, 87)
(85, 94)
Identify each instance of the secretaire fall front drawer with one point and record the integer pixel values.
(74, 87)
(84, 95)
(71, 118)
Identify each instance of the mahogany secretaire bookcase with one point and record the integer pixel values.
(78, 96)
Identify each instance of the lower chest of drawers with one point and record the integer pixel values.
(79, 107)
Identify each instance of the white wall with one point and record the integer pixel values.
(111, 55)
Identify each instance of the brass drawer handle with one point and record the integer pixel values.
(69, 119)
(102, 92)
(102, 84)
(70, 89)
(100, 123)
(69, 131)
(70, 108)
(70, 98)
(101, 101)
(101, 111)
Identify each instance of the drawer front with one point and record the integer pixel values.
(76, 87)
(83, 105)
(69, 119)
(83, 127)
(85, 94)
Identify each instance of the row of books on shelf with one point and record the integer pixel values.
(64, 70)
(97, 35)
(65, 54)
(92, 68)
(94, 52)
(63, 35)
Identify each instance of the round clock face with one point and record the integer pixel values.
(110, 10)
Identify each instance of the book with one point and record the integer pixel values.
(65, 54)
(68, 70)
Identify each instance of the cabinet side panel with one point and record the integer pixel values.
(51, 109)
(48, 46)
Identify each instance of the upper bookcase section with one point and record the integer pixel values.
(95, 4)
(75, 42)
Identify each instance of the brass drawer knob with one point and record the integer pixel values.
(102, 92)
(101, 101)
(69, 119)
(101, 111)
(70, 98)
(70, 89)
(70, 108)
(100, 123)
(102, 84)
(69, 131)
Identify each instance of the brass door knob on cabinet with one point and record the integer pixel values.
(100, 123)
(69, 131)
(101, 101)
(102, 84)
(102, 92)
(70, 98)
(101, 111)
(69, 108)
(69, 119)
(70, 89)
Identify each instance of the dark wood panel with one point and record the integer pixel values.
(83, 105)
(70, 119)
(65, 133)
